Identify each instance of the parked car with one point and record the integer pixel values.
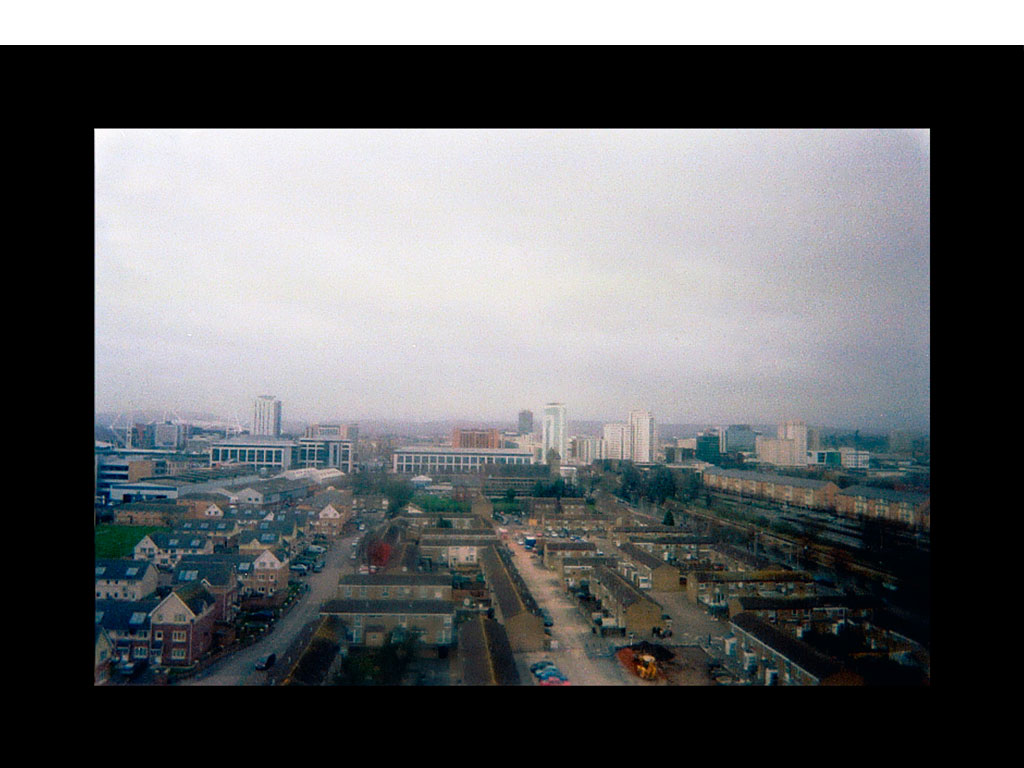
(317, 567)
(539, 665)
(300, 569)
(132, 669)
(316, 550)
(555, 681)
(549, 672)
(266, 662)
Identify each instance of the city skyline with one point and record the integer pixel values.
(706, 276)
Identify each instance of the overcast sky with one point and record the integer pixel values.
(708, 276)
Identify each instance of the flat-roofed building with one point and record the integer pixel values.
(475, 438)
(435, 460)
(262, 452)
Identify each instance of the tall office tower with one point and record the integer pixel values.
(266, 417)
(525, 422)
(554, 428)
(738, 437)
(643, 436)
(616, 441)
(797, 432)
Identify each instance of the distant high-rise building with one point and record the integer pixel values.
(643, 436)
(554, 429)
(266, 417)
(738, 437)
(616, 441)
(588, 449)
(475, 438)
(708, 446)
(789, 449)
(525, 422)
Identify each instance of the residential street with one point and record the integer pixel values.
(239, 668)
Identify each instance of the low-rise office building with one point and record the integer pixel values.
(435, 460)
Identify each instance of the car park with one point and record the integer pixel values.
(266, 662)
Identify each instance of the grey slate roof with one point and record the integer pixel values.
(498, 579)
(643, 557)
(911, 497)
(401, 579)
(625, 593)
(486, 653)
(793, 649)
(118, 615)
(764, 477)
(350, 606)
(123, 570)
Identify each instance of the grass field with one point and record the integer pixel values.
(114, 541)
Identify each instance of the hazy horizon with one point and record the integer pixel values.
(710, 277)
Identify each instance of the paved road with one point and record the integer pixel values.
(239, 668)
(584, 657)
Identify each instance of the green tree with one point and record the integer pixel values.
(398, 492)
(668, 519)
(661, 485)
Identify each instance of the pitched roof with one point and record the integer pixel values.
(124, 615)
(126, 570)
(765, 477)
(392, 578)
(796, 651)
(643, 557)
(350, 606)
(486, 653)
(624, 592)
(869, 492)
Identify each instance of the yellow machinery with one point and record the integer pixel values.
(646, 669)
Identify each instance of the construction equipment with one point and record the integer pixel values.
(646, 668)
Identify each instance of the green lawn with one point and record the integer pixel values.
(114, 541)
